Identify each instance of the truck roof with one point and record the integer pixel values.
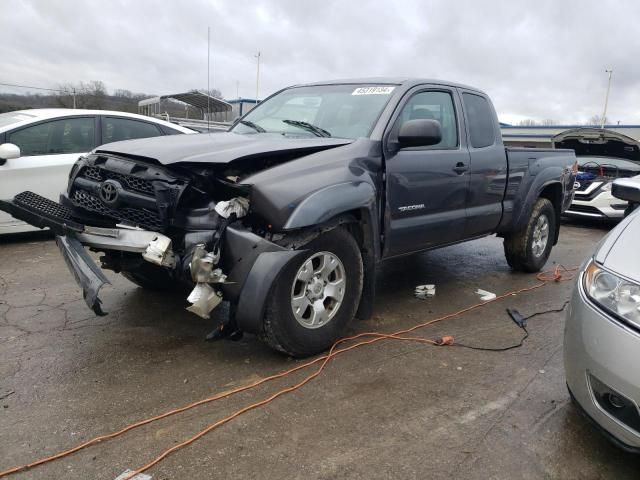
(404, 81)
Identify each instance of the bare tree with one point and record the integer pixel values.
(527, 122)
(596, 120)
(548, 122)
(122, 93)
(214, 92)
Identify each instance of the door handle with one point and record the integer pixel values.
(460, 168)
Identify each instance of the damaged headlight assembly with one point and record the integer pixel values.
(614, 294)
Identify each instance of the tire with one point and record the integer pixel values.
(524, 250)
(153, 278)
(302, 332)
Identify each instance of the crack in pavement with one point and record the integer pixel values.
(470, 453)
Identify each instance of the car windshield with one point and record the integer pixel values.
(344, 111)
(10, 118)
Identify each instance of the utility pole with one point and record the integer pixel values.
(74, 97)
(257, 77)
(606, 98)
(208, 76)
(238, 89)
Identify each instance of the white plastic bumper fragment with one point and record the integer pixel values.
(204, 272)
(159, 252)
(203, 299)
(237, 205)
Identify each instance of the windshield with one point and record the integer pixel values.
(344, 111)
(10, 118)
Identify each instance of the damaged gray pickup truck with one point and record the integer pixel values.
(288, 214)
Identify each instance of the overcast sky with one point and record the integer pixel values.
(537, 59)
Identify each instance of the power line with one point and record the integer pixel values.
(34, 88)
(72, 92)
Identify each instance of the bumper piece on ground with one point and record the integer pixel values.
(87, 274)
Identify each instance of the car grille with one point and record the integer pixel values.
(137, 216)
(128, 181)
(584, 209)
(584, 185)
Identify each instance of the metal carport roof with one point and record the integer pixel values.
(197, 99)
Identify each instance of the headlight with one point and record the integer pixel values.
(606, 187)
(613, 293)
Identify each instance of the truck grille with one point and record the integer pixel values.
(128, 181)
(137, 216)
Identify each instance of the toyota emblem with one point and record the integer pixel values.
(109, 192)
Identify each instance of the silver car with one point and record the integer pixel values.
(602, 332)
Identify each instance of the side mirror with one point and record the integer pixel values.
(8, 151)
(627, 189)
(419, 133)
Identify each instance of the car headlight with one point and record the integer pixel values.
(606, 187)
(613, 293)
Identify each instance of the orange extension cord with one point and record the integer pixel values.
(560, 273)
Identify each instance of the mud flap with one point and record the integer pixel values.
(87, 274)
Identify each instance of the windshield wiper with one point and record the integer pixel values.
(257, 128)
(317, 131)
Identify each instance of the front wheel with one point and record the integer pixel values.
(315, 297)
(528, 250)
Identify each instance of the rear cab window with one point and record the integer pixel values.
(480, 120)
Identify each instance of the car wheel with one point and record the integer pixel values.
(528, 250)
(316, 296)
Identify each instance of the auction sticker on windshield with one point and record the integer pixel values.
(373, 91)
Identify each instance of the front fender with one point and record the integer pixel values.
(255, 291)
(329, 202)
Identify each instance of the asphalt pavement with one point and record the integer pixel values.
(389, 410)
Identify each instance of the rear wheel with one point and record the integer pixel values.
(528, 250)
(316, 297)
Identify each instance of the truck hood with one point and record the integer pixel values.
(217, 148)
(619, 250)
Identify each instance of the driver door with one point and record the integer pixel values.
(426, 186)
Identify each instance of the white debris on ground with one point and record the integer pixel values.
(425, 291)
(485, 296)
(127, 472)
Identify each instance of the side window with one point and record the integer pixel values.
(480, 120)
(68, 135)
(115, 129)
(434, 106)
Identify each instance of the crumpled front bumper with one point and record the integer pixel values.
(252, 263)
(72, 237)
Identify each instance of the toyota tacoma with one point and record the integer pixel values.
(287, 215)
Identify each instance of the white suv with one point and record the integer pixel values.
(592, 194)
